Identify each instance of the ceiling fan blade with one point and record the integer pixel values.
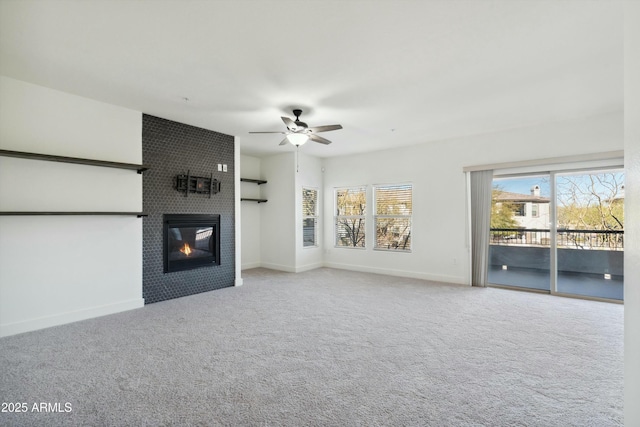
(291, 125)
(269, 132)
(284, 141)
(319, 139)
(326, 128)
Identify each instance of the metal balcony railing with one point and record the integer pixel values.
(610, 240)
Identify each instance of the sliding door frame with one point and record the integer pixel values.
(552, 167)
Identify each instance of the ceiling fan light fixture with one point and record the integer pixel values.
(297, 139)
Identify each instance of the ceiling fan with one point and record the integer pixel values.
(299, 132)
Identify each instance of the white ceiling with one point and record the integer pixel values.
(396, 72)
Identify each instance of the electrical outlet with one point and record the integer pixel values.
(219, 167)
(224, 168)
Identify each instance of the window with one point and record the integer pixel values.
(350, 217)
(518, 209)
(309, 217)
(393, 216)
(535, 210)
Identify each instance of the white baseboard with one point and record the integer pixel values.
(399, 273)
(249, 265)
(290, 269)
(279, 267)
(68, 317)
(308, 267)
(387, 271)
(238, 281)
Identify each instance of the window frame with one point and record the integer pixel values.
(520, 209)
(377, 216)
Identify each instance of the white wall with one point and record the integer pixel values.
(632, 210)
(278, 220)
(272, 231)
(309, 175)
(440, 246)
(251, 212)
(59, 269)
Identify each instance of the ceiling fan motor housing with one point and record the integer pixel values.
(297, 113)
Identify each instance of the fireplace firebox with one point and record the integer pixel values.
(191, 241)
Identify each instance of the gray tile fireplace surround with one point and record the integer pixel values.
(169, 149)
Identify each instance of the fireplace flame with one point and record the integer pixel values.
(186, 249)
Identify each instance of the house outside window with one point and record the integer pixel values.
(350, 218)
(394, 208)
(309, 217)
(528, 210)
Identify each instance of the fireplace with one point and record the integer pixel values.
(191, 241)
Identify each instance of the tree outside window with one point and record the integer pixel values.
(502, 213)
(350, 217)
(591, 201)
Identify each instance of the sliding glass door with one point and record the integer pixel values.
(590, 233)
(561, 232)
(519, 243)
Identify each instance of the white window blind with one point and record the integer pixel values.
(350, 217)
(394, 208)
(309, 217)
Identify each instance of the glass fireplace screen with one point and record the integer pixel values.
(191, 241)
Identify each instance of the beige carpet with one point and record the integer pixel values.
(327, 348)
